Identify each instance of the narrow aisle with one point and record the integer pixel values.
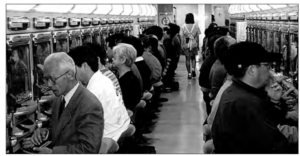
(179, 126)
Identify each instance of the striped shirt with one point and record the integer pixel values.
(114, 79)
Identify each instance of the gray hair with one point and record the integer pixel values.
(61, 61)
(127, 51)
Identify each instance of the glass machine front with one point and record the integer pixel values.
(60, 42)
(86, 36)
(18, 68)
(41, 49)
(264, 35)
(270, 37)
(284, 48)
(259, 33)
(293, 56)
(276, 35)
(75, 39)
(96, 37)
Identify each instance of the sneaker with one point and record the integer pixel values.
(189, 76)
(193, 73)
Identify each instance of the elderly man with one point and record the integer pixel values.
(77, 116)
(116, 119)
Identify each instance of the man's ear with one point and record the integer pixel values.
(251, 70)
(85, 65)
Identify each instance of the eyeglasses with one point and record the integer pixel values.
(53, 82)
(268, 65)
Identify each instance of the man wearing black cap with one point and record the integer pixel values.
(246, 119)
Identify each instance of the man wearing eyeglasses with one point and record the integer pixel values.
(247, 117)
(77, 116)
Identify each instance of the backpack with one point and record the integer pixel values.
(190, 40)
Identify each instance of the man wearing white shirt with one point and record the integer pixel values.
(116, 119)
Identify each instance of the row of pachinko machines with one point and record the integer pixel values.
(29, 42)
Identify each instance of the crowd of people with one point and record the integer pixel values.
(102, 90)
(250, 108)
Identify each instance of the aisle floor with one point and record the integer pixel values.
(179, 126)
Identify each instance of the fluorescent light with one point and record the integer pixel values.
(103, 9)
(229, 9)
(278, 6)
(116, 10)
(19, 7)
(54, 8)
(127, 10)
(247, 8)
(83, 9)
(254, 7)
(148, 10)
(136, 10)
(264, 7)
(143, 10)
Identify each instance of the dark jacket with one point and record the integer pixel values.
(154, 66)
(245, 122)
(204, 73)
(80, 127)
(137, 74)
(217, 77)
(145, 72)
(130, 89)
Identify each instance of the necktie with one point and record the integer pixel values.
(62, 107)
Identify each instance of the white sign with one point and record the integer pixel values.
(241, 31)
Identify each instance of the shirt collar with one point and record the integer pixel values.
(259, 92)
(93, 78)
(70, 94)
(140, 58)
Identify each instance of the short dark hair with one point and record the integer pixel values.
(189, 18)
(83, 54)
(211, 42)
(221, 47)
(155, 30)
(144, 40)
(114, 39)
(136, 43)
(174, 29)
(98, 50)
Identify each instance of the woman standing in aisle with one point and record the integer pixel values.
(190, 42)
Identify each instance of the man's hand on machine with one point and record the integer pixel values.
(40, 135)
(43, 150)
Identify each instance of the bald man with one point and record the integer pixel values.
(77, 115)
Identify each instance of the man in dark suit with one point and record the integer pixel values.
(77, 116)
